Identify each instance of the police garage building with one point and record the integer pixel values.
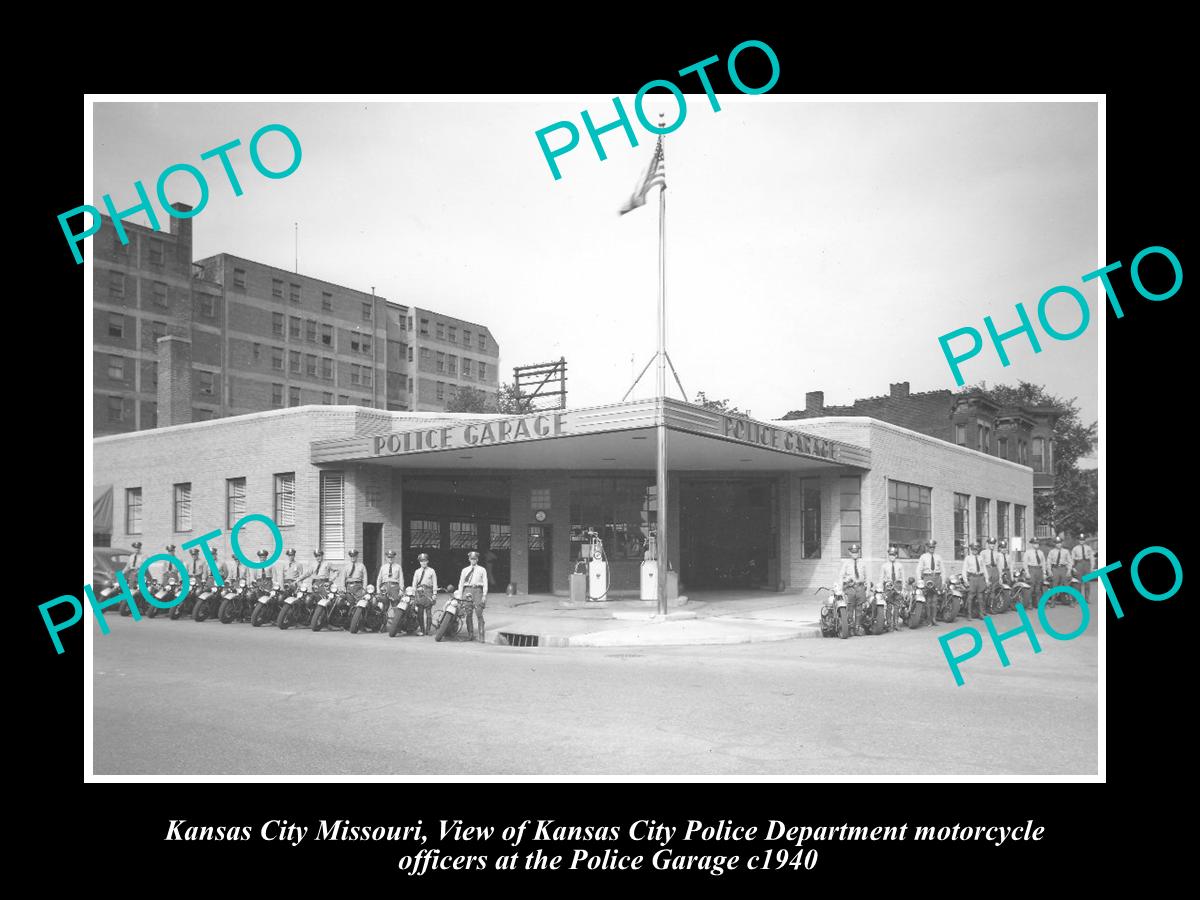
(770, 505)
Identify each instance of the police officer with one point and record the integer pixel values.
(1060, 560)
(1084, 560)
(854, 570)
(424, 585)
(131, 567)
(354, 576)
(1035, 566)
(974, 573)
(474, 580)
(1005, 561)
(292, 572)
(323, 572)
(930, 566)
(892, 570)
(168, 573)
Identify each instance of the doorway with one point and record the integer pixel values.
(725, 532)
(540, 579)
(372, 552)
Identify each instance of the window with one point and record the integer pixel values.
(441, 391)
(116, 325)
(983, 520)
(410, 353)
(1002, 520)
(116, 368)
(333, 515)
(850, 488)
(310, 330)
(482, 341)
(424, 534)
(810, 518)
(452, 334)
(425, 326)
(355, 342)
(1002, 447)
(910, 524)
(366, 376)
(539, 498)
(452, 367)
(208, 306)
(116, 285)
(183, 506)
(464, 536)
(466, 337)
(441, 361)
(1023, 453)
(160, 295)
(366, 309)
(310, 365)
(277, 288)
(201, 414)
(257, 351)
(277, 324)
(354, 376)
(285, 498)
(1039, 454)
(483, 371)
(1019, 522)
(326, 301)
(441, 331)
(239, 278)
(294, 361)
(466, 367)
(156, 253)
(426, 355)
(293, 396)
(235, 500)
(327, 335)
(133, 510)
(150, 377)
(344, 399)
(294, 293)
(327, 398)
(962, 525)
(960, 434)
(500, 537)
(410, 384)
(294, 327)
(622, 511)
(410, 323)
(984, 435)
(205, 381)
(116, 409)
(366, 345)
(277, 395)
(277, 359)
(327, 368)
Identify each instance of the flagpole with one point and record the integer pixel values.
(661, 474)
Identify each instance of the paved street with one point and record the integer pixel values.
(205, 698)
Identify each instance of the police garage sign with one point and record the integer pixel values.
(750, 432)
(476, 434)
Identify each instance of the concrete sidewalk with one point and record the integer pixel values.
(708, 617)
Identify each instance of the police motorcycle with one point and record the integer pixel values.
(299, 605)
(952, 599)
(451, 618)
(336, 607)
(404, 614)
(185, 607)
(163, 592)
(369, 611)
(268, 601)
(1001, 599)
(208, 600)
(922, 602)
(838, 615)
(134, 590)
(896, 604)
(234, 597)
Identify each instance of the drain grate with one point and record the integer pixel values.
(511, 639)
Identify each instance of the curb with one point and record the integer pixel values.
(582, 640)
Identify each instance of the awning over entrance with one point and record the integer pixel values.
(619, 436)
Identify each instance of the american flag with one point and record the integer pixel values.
(656, 174)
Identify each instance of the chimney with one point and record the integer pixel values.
(174, 380)
(900, 389)
(182, 228)
(814, 401)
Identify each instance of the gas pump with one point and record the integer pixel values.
(596, 560)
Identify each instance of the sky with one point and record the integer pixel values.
(810, 246)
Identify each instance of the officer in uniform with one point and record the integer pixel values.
(474, 580)
(992, 561)
(892, 570)
(1005, 561)
(131, 567)
(323, 572)
(1060, 560)
(168, 573)
(974, 573)
(1084, 560)
(854, 570)
(197, 570)
(1035, 566)
(424, 586)
(354, 577)
(292, 572)
(930, 566)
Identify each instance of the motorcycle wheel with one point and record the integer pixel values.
(914, 617)
(123, 609)
(843, 625)
(356, 620)
(176, 611)
(200, 613)
(318, 618)
(443, 627)
(225, 614)
(880, 620)
(952, 610)
(411, 623)
(285, 617)
(152, 611)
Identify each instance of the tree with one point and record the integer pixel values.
(721, 406)
(471, 400)
(1076, 501)
(510, 400)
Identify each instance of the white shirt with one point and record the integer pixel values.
(425, 576)
(892, 571)
(390, 572)
(856, 569)
(930, 562)
(474, 576)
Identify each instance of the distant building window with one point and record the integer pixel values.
(294, 327)
(285, 498)
(294, 293)
(277, 324)
(424, 534)
(116, 368)
(333, 515)
(810, 518)
(239, 278)
(466, 367)
(962, 525)
(424, 326)
(452, 365)
(327, 335)
(539, 498)
(366, 376)
(366, 309)
(441, 361)
(277, 359)
(441, 331)
(1002, 447)
(116, 285)
(293, 396)
(983, 519)
(985, 439)
(1002, 520)
(483, 371)
(116, 325)
(116, 409)
(355, 342)
(294, 361)
(466, 337)
(426, 354)
(160, 294)
(464, 536)
(1039, 454)
(327, 398)
(910, 523)
(310, 330)
(326, 301)
(208, 306)
(344, 399)
(354, 374)
(133, 510)
(960, 434)
(410, 384)
(452, 334)
(310, 365)
(482, 341)
(366, 345)
(277, 288)
(156, 253)
(277, 395)
(1023, 453)
(235, 500)
(441, 391)
(257, 351)
(410, 323)
(327, 368)
(1019, 522)
(410, 353)
(850, 489)
(183, 506)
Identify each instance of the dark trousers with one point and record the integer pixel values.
(975, 588)
(1081, 569)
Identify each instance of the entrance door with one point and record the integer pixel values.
(539, 559)
(725, 531)
(372, 552)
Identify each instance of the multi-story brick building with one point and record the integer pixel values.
(1021, 434)
(178, 341)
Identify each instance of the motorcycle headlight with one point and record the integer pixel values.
(370, 588)
(829, 601)
(242, 583)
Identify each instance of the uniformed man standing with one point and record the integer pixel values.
(854, 571)
(474, 582)
(292, 573)
(892, 570)
(1084, 560)
(1005, 561)
(424, 586)
(323, 572)
(167, 572)
(975, 574)
(1035, 565)
(354, 577)
(131, 567)
(930, 566)
(1060, 561)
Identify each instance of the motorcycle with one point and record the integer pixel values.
(185, 606)
(234, 597)
(1022, 592)
(335, 608)
(923, 602)
(874, 618)
(451, 619)
(208, 601)
(268, 602)
(1001, 599)
(299, 606)
(897, 604)
(369, 611)
(404, 615)
(163, 593)
(952, 599)
(838, 615)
